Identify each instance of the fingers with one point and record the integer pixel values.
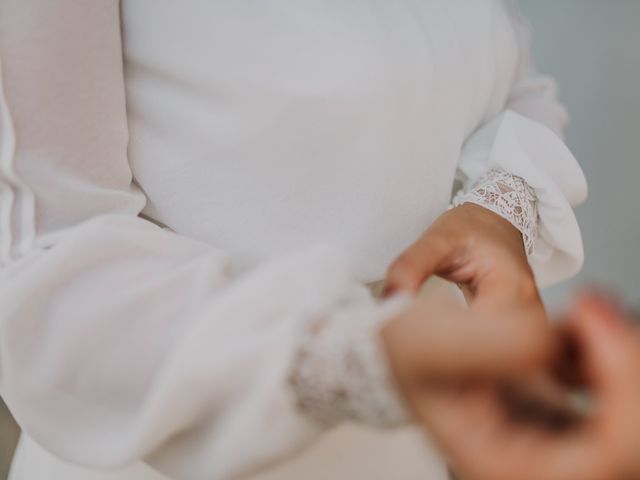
(421, 260)
(487, 445)
(480, 440)
(608, 343)
(610, 351)
(604, 447)
(465, 426)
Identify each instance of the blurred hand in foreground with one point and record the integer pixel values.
(468, 417)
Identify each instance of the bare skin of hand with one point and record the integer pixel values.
(437, 337)
(480, 251)
(484, 442)
(437, 341)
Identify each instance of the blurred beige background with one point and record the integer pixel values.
(590, 46)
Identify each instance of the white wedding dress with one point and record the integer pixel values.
(172, 217)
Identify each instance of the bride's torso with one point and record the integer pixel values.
(264, 126)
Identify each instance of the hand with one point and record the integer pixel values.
(481, 252)
(438, 340)
(483, 442)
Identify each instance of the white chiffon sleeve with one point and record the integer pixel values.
(525, 141)
(121, 341)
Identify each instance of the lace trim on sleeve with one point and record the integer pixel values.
(340, 371)
(508, 196)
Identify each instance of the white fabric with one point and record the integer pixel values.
(340, 370)
(528, 150)
(525, 140)
(257, 131)
(344, 453)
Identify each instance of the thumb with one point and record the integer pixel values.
(417, 263)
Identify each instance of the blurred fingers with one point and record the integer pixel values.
(609, 345)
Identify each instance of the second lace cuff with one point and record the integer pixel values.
(341, 372)
(508, 196)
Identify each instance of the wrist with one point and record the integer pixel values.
(509, 197)
(493, 221)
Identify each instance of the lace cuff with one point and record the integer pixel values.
(508, 196)
(340, 371)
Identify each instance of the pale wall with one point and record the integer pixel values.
(592, 47)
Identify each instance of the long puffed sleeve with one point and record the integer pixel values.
(525, 141)
(121, 341)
